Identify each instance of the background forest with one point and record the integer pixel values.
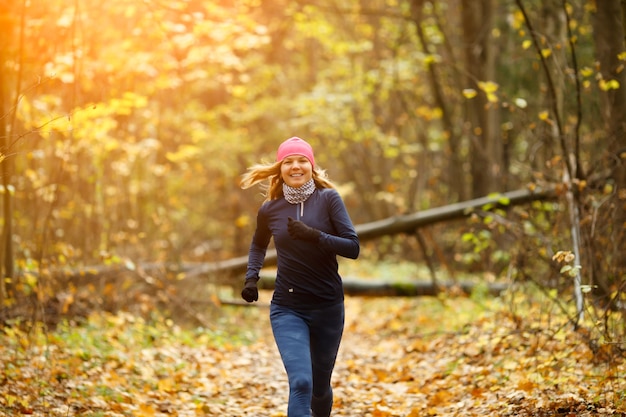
(125, 126)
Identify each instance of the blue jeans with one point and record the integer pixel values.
(308, 341)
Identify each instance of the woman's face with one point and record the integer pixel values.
(296, 170)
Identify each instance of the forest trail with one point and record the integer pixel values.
(363, 379)
(400, 357)
(388, 367)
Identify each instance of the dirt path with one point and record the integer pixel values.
(386, 368)
(362, 380)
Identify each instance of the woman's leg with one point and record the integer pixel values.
(291, 333)
(326, 332)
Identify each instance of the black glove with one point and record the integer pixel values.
(299, 230)
(250, 291)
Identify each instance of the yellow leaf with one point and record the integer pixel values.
(430, 59)
(239, 91)
(544, 115)
(546, 52)
(147, 410)
(469, 93)
(440, 398)
(492, 98)
(10, 399)
(415, 412)
(31, 280)
(428, 113)
(242, 221)
(586, 72)
(166, 384)
(518, 20)
(396, 325)
(184, 153)
(609, 85)
(527, 43)
(526, 385)
(488, 86)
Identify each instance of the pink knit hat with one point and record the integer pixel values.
(295, 146)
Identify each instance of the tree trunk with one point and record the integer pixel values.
(609, 22)
(5, 196)
(481, 113)
(6, 248)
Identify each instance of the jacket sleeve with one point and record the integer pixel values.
(346, 242)
(258, 246)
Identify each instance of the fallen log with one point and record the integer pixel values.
(408, 223)
(397, 225)
(378, 288)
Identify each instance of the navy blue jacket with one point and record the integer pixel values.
(307, 275)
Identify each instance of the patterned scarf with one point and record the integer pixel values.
(300, 194)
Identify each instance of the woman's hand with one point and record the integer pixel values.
(300, 231)
(250, 291)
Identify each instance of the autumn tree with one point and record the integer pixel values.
(136, 121)
(10, 26)
(481, 122)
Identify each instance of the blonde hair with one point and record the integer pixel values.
(268, 175)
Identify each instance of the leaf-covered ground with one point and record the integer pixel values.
(399, 357)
